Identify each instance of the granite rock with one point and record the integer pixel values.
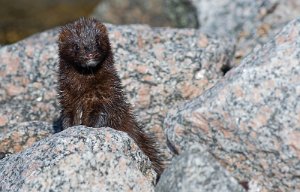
(183, 13)
(157, 13)
(196, 170)
(133, 12)
(250, 119)
(28, 80)
(251, 23)
(159, 68)
(23, 135)
(79, 158)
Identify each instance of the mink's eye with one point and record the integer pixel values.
(97, 37)
(76, 47)
(98, 41)
(98, 44)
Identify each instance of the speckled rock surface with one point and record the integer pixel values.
(163, 67)
(250, 120)
(133, 12)
(28, 80)
(79, 158)
(23, 135)
(158, 67)
(157, 13)
(182, 13)
(252, 23)
(196, 170)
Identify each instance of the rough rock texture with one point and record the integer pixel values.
(183, 13)
(133, 12)
(27, 80)
(196, 170)
(79, 158)
(156, 13)
(23, 135)
(158, 67)
(252, 23)
(250, 120)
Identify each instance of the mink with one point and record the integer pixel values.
(90, 90)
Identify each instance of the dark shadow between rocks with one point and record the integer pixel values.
(57, 125)
(3, 155)
(225, 69)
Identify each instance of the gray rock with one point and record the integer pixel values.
(250, 119)
(157, 13)
(196, 170)
(80, 159)
(182, 13)
(252, 23)
(28, 80)
(133, 12)
(159, 68)
(23, 135)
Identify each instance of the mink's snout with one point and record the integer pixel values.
(91, 60)
(89, 56)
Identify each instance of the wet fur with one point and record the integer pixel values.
(90, 90)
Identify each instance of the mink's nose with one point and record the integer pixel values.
(89, 55)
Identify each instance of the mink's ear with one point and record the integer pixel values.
(64, 34)
(102, 37)
(101, 27)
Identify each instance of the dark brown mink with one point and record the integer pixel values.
(90, 91)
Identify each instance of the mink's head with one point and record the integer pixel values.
(84, 43)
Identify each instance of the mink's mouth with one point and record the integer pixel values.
(91, 63)
(88, 67)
